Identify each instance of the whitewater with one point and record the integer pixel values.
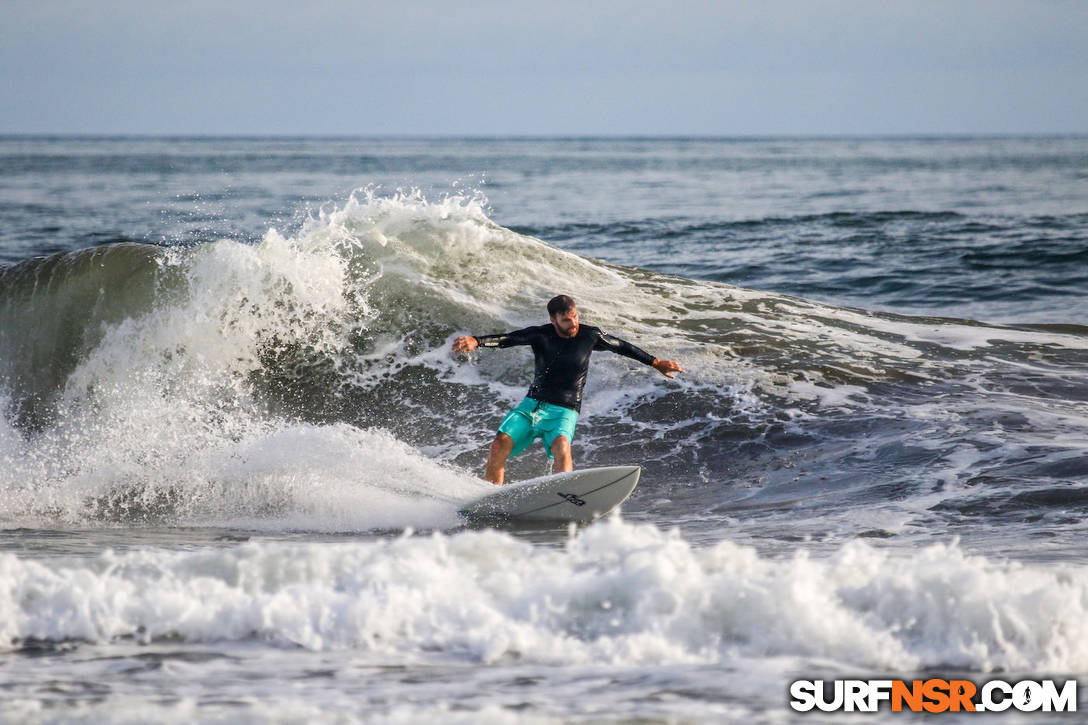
(234, 442)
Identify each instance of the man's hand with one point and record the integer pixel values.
(465, 344)
(667, 366)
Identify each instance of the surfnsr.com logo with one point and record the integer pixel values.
(933, 695)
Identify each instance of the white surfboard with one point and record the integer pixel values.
(575, 496)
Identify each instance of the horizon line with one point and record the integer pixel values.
(540, 137)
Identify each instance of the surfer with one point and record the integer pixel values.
(550, 408)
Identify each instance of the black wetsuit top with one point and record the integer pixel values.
(562, 363)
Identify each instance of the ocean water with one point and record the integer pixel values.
(234, 444)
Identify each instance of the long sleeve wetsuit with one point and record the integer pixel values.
(562, 363)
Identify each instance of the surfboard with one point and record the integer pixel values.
(579, 496)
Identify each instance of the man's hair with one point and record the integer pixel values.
(559, 305)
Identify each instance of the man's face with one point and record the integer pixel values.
(566, 323)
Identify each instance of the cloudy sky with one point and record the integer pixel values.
(446, 67)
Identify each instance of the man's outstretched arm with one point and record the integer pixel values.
(622, 347)
(468, 343)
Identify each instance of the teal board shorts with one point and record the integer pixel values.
(534, 419)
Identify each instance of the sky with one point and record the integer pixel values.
(562, 67)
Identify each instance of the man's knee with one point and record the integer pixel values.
(560, 446)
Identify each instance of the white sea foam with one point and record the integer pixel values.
(617, 593)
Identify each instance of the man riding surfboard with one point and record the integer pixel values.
(549, 411)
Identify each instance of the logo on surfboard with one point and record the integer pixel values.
(571, 498)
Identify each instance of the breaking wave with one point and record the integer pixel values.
(305, 380)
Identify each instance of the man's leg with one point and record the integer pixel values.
(496, 459)
(561, 457)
